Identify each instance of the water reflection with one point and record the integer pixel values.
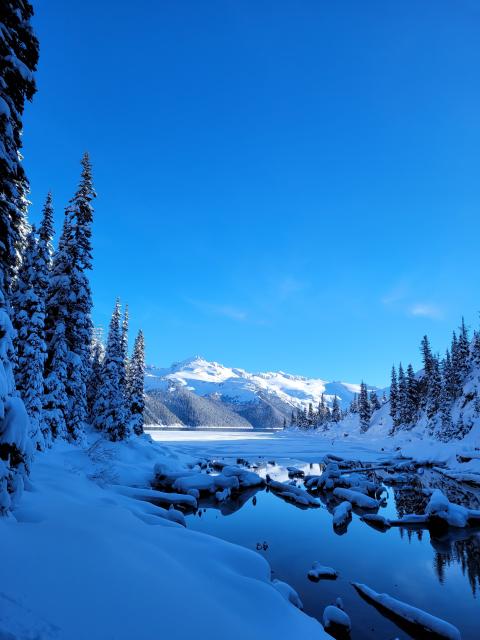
(438, 571)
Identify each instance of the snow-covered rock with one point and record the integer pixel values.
(342, 514)
(319, 571)
(335, 617)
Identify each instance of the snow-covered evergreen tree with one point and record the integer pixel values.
(412, 394)
(136, 380)
(336, 411)
(110, 414)
(29, 317)
(79, 326)
(18, 61)
(97, 354)
(394, 398)
(403, 404)
(56, 322)
(364, 409)
(374, 401)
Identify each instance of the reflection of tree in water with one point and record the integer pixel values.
(408, 500)
(465, 552)
(453, 546)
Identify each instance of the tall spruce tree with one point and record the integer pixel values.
(79, 327)
(56, 323)
(412, 394)
(136, 383)
(374, 401)
(29, 316)
(394, 413)
(97, 354)
(364, 409)
(110, 413)
(403, 406)
(336, 411)
(18, 61)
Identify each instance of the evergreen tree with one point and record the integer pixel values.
(30, 342)
(476, 349)
(364, 409)
(394, 413)
(136, 385)
(463, 350)
(18, 61)
(110, 414)
(403, 405)
(428, 367)
(310, 416)
(374, 401)
(336, 412)
(79, 327)
(95, 379)
(412, 394)
(56, 321)
(353, 408)
(435, 389)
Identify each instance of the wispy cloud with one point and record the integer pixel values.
(225, 310)
(425, 310)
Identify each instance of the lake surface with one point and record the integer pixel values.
(439, 574)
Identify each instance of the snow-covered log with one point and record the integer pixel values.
(356, 498)
(292, 493)
(422, 620)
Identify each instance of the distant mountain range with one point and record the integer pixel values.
(199, 393)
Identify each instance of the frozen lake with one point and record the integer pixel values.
(437, 573)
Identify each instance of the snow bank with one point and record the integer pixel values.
(86, 560)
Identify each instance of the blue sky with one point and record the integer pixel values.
(281, 184)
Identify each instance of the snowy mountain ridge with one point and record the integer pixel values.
(235, 385)
(270, 395)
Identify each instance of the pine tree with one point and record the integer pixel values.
(476, 349)
(110, 414)
(310, 416)
(412, 394)
(463, 351)
(435, 389)
(364, 409)
(79, 326)
(394, 413)
(374, 401)
(30, 345)
(97, 352)
(403, 405)
(136, 385)
(353, 408)
(18, 61)
(428, 367)
(56, 321)
(336, 411)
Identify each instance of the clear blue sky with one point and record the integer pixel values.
(281, 184)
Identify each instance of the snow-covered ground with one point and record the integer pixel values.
(88, 559)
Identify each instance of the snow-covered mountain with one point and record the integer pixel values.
(196, 390)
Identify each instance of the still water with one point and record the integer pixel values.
(438, 574)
